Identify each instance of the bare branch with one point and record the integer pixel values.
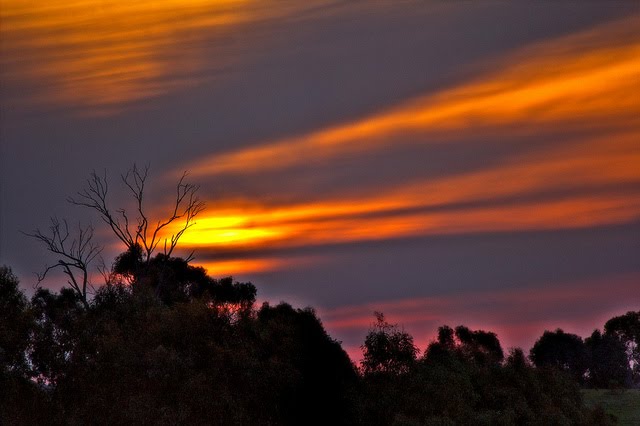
(186, 207)
(190, 257)
(76, 253)
(94, 196)
(135, 180)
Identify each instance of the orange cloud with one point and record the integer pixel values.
(584, 80)
(511, 197)
(102, 54)
(252, 265)
(240, 266)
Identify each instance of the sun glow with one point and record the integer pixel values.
(221, 268)
(440, 206)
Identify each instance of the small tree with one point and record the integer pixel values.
(387, 348)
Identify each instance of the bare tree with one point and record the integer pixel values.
(78, 251)
(139, 230)
(76, 254)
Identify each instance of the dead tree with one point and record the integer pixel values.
(139, 230)
(76, 254)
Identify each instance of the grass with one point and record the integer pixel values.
(624, 404)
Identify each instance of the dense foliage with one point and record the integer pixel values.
(163, 343)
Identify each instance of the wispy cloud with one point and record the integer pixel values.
(558, 92)
(588, 80)
(584, 184)
(99, 56)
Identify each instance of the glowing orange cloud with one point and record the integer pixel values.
(237, 266)
(573, 212)
(251, 265)
(586, 80)
(101, 54)
(432, 206)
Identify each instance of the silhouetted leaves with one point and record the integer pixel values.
(608, 364)
(563, 351)
(16, 322)
(387, 349)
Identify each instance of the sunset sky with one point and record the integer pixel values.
(441, 162)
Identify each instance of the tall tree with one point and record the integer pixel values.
(608, 363)
(22, 402)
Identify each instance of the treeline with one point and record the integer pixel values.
(163, 343)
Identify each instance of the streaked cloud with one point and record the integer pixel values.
(223, 268)
(574, 98)
(588, 80)
(575, 185)
(251, 265)
(100, 55)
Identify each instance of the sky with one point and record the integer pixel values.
(440, 162)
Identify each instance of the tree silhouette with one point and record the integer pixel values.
(186, 206)
(627, 328)
(21, 400)
(608, 363)
(173, 280)
(478, 346)
(563, 351)
(15, 324)
(387, 349)
(133, 358)
(76, 252)
(481, 346)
